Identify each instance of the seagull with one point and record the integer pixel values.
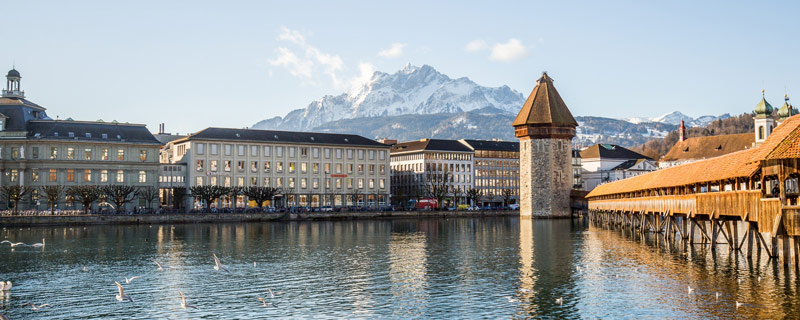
(759, 278)
(739, 304)
(13, 244)
(85, 269)
(218, 265)
(254, 264)
(5, 286)
(511, 300)
(271, 296)
(560, 301)
(185, 305)
(128, 280)
(160, 266)
(3, 317)
(263, 301)
(35, 307)
(121, 295)
(38, 244)
(716, 294)
(690, 289)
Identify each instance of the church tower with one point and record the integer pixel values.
(545, 128)
(763, 120)
(786, 111)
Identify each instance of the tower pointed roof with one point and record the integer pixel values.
(763, 108)
(786, 110)
(545, 107)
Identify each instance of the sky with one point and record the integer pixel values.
(195, 64)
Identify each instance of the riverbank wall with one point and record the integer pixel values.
(172, 218)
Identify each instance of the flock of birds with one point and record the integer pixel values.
(121, 296)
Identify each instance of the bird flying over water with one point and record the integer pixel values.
(218, 265)
(35, 307)
(263, 301)
(160, 265)
(13, 244)
(185, 305)
(128, 280)
(38, 244)
(560, 301)
(121, 295)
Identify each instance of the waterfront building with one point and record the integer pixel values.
(416, 165)
(37, 151)
(577, 170)
(496, 170)
(312, 169)
(603, 163)
(545, 128)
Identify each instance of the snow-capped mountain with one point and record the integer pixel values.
(675, 118)
(412, 90)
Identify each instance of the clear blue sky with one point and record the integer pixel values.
(196, 64)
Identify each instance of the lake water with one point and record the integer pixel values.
(424, 268)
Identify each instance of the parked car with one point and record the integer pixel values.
(326, 209)
(462, 207)
(474, 208)
(514, 206)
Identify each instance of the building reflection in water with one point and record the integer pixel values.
(407, 273)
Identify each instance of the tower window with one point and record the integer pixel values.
(760, 132)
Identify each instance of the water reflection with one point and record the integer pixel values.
(429, 268)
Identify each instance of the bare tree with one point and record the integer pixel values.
(474, 195)
(52, 194)
(120, 195)
(207, 194)
(507, 194)
(86, 195)
(261, 194)
(149, 194)
(233, 193)
(178, 195)
(14, 194)
(354, 195)
(437, 185)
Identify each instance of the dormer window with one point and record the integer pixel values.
(89, 135)
(55, 134)
(104, 136)
(719, 147)
(71, 134)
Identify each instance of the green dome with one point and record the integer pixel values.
(763, 108)
(786, 110)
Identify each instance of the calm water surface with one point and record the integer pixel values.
(425, 268)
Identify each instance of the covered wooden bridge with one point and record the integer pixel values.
(707, 201)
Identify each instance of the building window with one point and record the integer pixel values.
(120, 155)
(338, 183)
(360, 154)
(372, 183)
(304, 152)
(349, 154)
(291, 182)
(266, 167)
(350, 183)
(291, 152)
(327, 183)
(212, 180)
(143, 155)
(35, 152)
(253, 181)
(760, 132)
(267, 151)
(142, 176)
(103, 175)
(315, 183)
(214, 148)
(382, 183)
(266, 181)
(227, 166)
(372, 169)
(14, 175)
(240, 166)
(14, 152)
(53, 152)
(240, 181)
(254, 151)
(279, 151)
(71, 153)
(199, 181)
(303, 167)
(279, 166)
(228, 149)
(104, 154)
(87, 154)
(338, 168)
(361, 183)
(327, 168)
(200, 165)
(227, 181)
(254, 166)
(53, 175)
(87, 175)
(338, 153)
(120, 176)
(291, 167)
(279, 182)
(240, 148)
(360, 168)
(201, 148)
(70, 175)
(315, 152)
(382, 169)
(303, 183)
(214, 165)
(315, 168)
(327, 153)
(35, 175)
(349, 168)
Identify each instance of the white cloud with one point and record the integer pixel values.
(476, 45)
(395, 51)
(365, 72)
(509, 51)
(308, 61)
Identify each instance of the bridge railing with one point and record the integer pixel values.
(725, 203)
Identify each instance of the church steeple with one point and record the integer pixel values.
(12, 89)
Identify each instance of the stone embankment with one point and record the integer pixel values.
(46, 220)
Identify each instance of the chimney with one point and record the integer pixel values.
(682, 132)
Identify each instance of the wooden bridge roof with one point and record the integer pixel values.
(782, 143)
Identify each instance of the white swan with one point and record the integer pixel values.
(13, 244)
(38, 244)
(121, 295)
(128, 280)
(560, 301)
(35, 307)
(690, 289)
(738, 304)
(7, 286)
(185, 305)
(218, 265)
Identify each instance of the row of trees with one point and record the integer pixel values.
(210, 194)
(440, 185)
(119, 195)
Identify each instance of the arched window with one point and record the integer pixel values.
(760, 132)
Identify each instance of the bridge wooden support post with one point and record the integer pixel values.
(751, 230)
(735, 235)
(774, 249)
(729, 234)
(796, 243)
(786, 253)
(692, 224)
(684, 222)
(714, 232)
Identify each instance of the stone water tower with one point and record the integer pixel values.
(545, 128)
